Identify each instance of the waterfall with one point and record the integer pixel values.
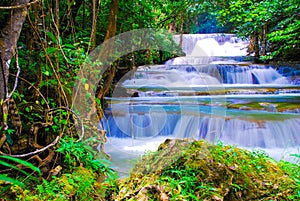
(170, 77)
(212, 45)
(252, 74)
(203, 74)
(254, 133)
(233, 74)
(269, 75)
(210, 94)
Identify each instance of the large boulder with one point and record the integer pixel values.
(197, 170)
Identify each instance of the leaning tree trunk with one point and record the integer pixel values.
(105, 54)
(8, 42)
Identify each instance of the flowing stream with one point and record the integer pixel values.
(211, 94)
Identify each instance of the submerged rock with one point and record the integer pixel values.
(197, 170)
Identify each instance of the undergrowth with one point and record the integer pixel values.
(183, 170)
(81, 172)
(179, 170)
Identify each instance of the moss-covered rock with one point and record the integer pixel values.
(182, 169)
(197, 170)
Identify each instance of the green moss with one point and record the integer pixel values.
(77, 185)
(280, 106)
(182, 169)
(197, 170)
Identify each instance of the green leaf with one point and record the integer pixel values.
(46, 73)
(60, 40)
(88, 95)
(11, 180)
(22, 162)
(51, 50)
(52, 37)
(13, 167)
(83, 81)
(10, 131)
(27, 109)
(72, 62)
(9, 139)
(69, 46)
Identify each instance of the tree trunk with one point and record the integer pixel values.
(94, 25)
(256, 48)
(172, 26)
(105, 53)
(264, 39)
(181, 29)
(112, 24)
(8, 42)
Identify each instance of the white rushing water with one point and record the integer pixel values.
(210, 74)
(212, 45)
(193, 97)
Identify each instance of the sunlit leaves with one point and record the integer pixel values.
(279, 19)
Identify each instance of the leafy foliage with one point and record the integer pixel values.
(82, 154)
(55, 42)
(196, 170)
(17, 165)
(272, 20)
(180, 170)
(77, 185)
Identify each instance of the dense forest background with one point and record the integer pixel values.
(44, 43)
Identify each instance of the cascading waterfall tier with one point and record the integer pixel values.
(210, 45)
(207, 74)
(211, 94)
(282, 133)
(181, 101)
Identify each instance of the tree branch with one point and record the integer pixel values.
(17, 77)
(18, 6)
(34, 152)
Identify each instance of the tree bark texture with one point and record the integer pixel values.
(256, 48)
(106, 52)
(94, 25)
(8, 42)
